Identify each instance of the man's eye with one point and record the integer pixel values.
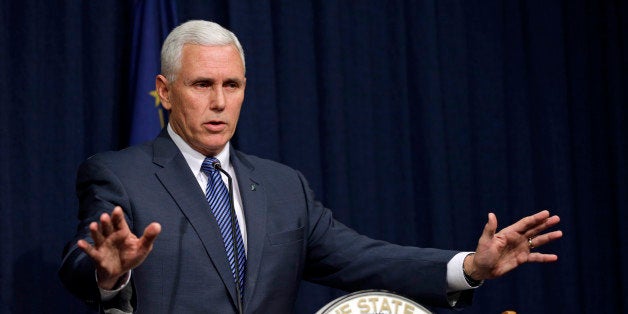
(232, 85)
(202, 84)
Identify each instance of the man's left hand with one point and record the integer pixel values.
(501, 252)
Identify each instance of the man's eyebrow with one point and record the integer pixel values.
(234, 80)
(201, 79)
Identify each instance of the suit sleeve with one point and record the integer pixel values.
(339, 257)
(99, 190)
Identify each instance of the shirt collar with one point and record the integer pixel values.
(193, 157)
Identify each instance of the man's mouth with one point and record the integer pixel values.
(215, 125)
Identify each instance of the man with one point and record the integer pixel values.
(151, 240)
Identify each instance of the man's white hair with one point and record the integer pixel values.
(195, 32)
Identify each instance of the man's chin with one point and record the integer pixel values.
(212, 148)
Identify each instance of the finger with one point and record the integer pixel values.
(105, 224)
(150, 234)
(542, 258)
(96, 233)
(546, 238)
(530, 222)
(86, 247)
(117, 219)
(548, 223)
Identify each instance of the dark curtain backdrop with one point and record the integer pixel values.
(411, 119)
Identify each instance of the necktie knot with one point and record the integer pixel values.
(208, 165)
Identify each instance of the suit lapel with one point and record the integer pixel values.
(254, 206)
(180, 183)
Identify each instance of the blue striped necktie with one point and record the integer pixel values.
(218, 199)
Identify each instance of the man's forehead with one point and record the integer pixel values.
(226, 57)
(212, 52)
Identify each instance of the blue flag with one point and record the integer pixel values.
(152, 21)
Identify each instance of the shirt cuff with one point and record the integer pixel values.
(455, 278)
(455, 274)
(106, 295)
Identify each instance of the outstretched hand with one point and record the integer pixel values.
(501, 252)
(116, 250)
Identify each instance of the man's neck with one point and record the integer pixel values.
(194, 157)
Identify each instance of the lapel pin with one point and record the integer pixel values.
(252, 187)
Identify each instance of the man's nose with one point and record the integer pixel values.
(217, 99)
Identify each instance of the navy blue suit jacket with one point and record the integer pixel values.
(291, 237)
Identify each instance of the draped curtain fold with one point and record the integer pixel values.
(411, 120)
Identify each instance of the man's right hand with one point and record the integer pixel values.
(116, 249)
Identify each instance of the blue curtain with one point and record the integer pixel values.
(411, 119)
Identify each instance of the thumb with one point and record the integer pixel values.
(491, 226)
(150, 234)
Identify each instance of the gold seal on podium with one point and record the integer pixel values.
(373, 302)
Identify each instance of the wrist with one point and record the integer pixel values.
(108, 282)
(470, 275)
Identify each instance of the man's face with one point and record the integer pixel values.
(205, 99)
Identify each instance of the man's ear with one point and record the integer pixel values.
(161, 84)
